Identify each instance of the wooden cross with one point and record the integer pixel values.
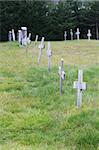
(62, 75)
(78, 33)
(10, 36)
(13, 35)
(24, 36)
(41, 46)
(65, 35)
(19, 37)
(89, 34)
(29, 38)
(49, 54)
(80, 86)
(71, 33)
(36, 39)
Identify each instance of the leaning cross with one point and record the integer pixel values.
(77, 33)
(29, 38)
(89, 34)
(65, 35)
(62, 75)
(41, 46)
(36, 39)
(80, 86)
(49, 54)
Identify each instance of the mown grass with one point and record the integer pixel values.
(33, 115)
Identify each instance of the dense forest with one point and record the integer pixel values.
(49, 18)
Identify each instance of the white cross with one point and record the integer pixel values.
(41, 46)
(19, 36)
(36, 39)
(62, 75)
(29, 38)
(49, 54)
(77, 33)
(71, 33)
(24, 36)
(80, 86)
(65, 35)
(10, 36)
(89, 34)
(13, 35)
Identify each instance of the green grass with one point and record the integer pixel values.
(33, 115)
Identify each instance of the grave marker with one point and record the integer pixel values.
(10, 36)
(20, 37)
(13, 35)
(41, 47)
(65, 35)
(89, 34)
(29, 38)
(24, 36)
(71, 34)
(49, 54)
(80, 86)
(36, 39)
(78, 33)
(62, 75)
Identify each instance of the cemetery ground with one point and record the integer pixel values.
(33, 115)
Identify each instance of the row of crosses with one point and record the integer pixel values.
(77, 34)
(79, 85)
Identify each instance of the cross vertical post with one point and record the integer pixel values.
(71, 33)
(41, 46)
(49, 54)
(62, 75)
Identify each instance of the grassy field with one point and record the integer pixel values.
(33, 115)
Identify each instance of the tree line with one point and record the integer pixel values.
(49, 19)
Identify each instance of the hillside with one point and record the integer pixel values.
(33, 115)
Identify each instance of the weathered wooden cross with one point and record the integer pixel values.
(89, 34)
(71, 33)
(65, 35)
(13, 35)
(78, 33)
(49, 54)
(20, 37)
(80, 86)
(36, 39)
(10, 36)
(29, 38)
(24, 36)
(62, 75)
(41, 46)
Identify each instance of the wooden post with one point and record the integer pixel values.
(80, 86)
(62, 75)
(49, 54)
(10, 36)
(41, 46)
(13, 35)
(71, 33)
